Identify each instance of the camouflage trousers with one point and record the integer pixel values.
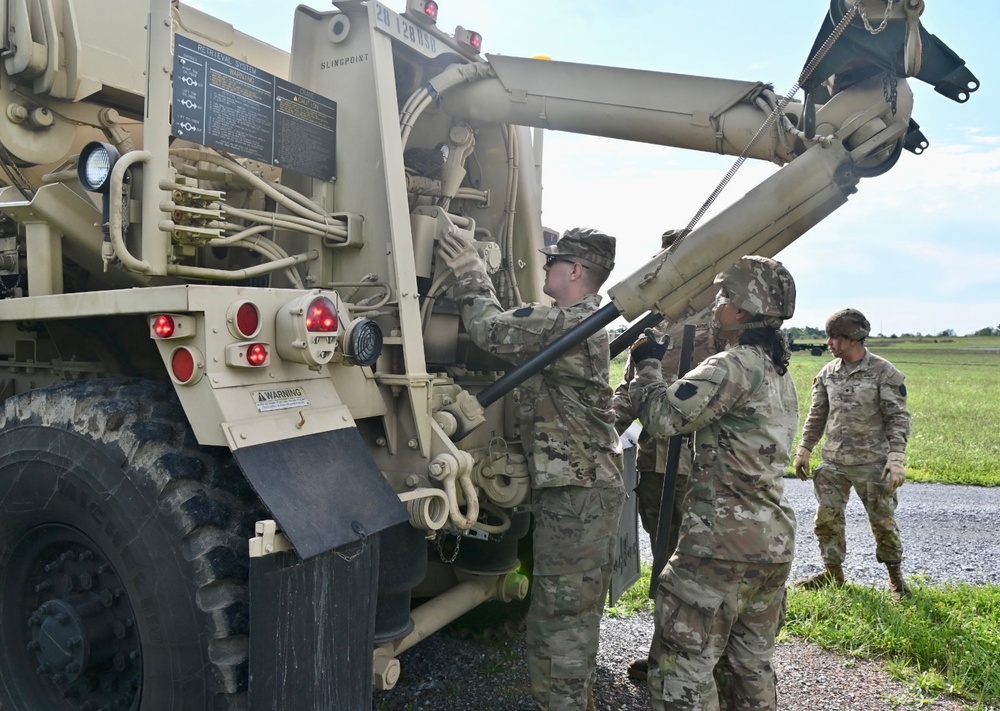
(710, 611)
(832, 484)
(574, 540)
(649, 494)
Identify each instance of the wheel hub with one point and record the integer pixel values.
(81, 627)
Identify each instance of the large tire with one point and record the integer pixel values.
(123, 555)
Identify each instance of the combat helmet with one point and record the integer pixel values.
(849, 323)
(760, 286)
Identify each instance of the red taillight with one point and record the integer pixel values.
(471, 39)
(257, 354)
(321, 316)
(306, 329)
(163, 326)
(186, 365)
(423, 11)
(247, 320)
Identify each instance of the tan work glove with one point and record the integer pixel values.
(459, 255)
(894, 473)
(801, 464)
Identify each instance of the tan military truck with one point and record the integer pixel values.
(247, 454)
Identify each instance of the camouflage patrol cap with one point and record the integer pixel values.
(760, 286)
(668, 238)
(587, 245)
(849, 323)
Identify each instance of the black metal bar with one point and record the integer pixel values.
(538, 362)
(627, 337)
(670, 479)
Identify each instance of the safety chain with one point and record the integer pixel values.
(440, 547)
(362, 539)
(885, 19)
(889, 86)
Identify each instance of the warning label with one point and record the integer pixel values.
(280, 399)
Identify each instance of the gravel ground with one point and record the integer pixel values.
(949, 534)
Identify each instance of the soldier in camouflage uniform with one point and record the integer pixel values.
(859, 401)
(574, 453)
(720, 597)
(651, 453)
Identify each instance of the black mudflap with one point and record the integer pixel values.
(312, 629)
(324, 489)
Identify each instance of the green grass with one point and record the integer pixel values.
(942, 641)
(636, 598)
(945, 640)
(953, 389)
(953, 392)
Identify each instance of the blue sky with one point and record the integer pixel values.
(917, 249)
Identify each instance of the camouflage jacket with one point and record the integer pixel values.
(744, 416)
(651, 454)
(862, 411)
(566, 421)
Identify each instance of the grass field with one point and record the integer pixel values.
(945, 639)
(954, 397)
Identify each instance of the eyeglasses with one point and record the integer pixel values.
(550, 259)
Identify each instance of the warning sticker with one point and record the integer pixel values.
(281, 399)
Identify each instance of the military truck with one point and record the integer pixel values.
(247, 454)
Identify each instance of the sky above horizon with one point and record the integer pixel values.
(917, 249)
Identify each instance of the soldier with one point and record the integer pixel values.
(574, 453)
(721, 595)
(651, 454)
(859, 402)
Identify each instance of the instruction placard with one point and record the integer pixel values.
(223, 102)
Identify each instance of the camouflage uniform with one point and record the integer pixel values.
(862, 409)
(721, 595)
(651, 455)
(575, 461)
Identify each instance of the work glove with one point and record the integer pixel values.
(801, 464)
(647, 347)
(459, 255)
(894, 473)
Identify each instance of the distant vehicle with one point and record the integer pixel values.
(815, 349)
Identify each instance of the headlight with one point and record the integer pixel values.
(95, 164)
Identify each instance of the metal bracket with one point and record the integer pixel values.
(268, 539)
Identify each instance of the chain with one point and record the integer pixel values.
(889, 86)
(362, 541)
(885, 19)
(778, 110)
(440, 547)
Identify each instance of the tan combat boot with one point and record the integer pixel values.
(832, 576)
(638, 669)
(897, 583)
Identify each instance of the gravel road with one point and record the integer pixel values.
(949, 534)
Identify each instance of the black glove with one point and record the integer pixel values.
(647, 347)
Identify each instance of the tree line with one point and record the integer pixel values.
(811, 334)
(808, 333)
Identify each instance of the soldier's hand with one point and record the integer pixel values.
(801, 464)
(647, 347)
(894, 472)
(459, 255)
